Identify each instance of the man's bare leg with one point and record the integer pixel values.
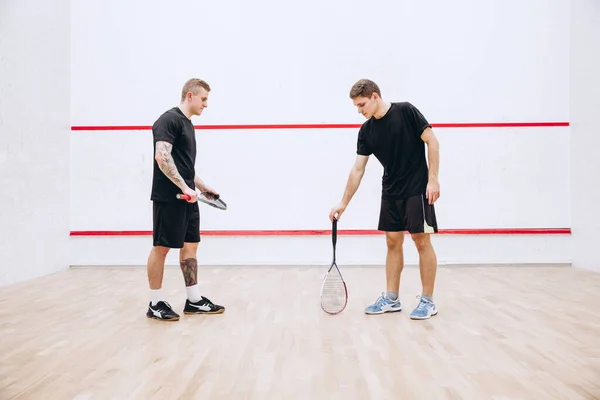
(427, 262)
(394, 263)
(195, 303)
(428, 270)
(189, 268)
(159, 308)
(156, 269)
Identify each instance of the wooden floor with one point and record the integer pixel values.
(501, 333)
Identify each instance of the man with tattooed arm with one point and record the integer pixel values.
(176, 223)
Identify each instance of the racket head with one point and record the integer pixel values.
(334, 293)
(207, 198)
(212, 200)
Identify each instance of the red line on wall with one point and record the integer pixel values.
(320, 232)
(325, 126)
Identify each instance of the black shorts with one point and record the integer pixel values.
(175, 223)
(413, 214)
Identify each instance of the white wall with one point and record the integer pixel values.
(34, 138)
(463, 61)
(585, 134)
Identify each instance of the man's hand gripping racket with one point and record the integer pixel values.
(334, 294)
(209, 198)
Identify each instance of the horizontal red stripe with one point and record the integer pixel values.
(326, 126)
(319, 232)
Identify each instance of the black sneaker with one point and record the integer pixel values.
(162, 311)
(204, 306)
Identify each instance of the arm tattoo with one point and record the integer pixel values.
(166, 163)
(189, 267)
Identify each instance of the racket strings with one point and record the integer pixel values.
(333, 293)
(212, 201)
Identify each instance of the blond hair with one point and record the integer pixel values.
(193, 85)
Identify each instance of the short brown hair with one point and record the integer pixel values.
(192, 85)
(364, 88)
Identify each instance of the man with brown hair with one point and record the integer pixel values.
(396, 133)
(176, 223)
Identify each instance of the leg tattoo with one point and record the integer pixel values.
(189, 267)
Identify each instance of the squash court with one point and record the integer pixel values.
(492, 107)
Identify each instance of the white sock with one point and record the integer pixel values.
(155, 296)
(193, 293)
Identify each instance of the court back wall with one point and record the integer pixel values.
(494, 82)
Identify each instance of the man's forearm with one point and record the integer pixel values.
(167, 164)
(199, 183)
(433, 155)
(352, 185)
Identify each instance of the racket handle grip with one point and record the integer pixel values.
(183, 197)
(334, 231)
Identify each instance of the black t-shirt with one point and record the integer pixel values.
(175, 128)
(395, 140)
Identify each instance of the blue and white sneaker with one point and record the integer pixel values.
(424, 310)
(383, 305)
